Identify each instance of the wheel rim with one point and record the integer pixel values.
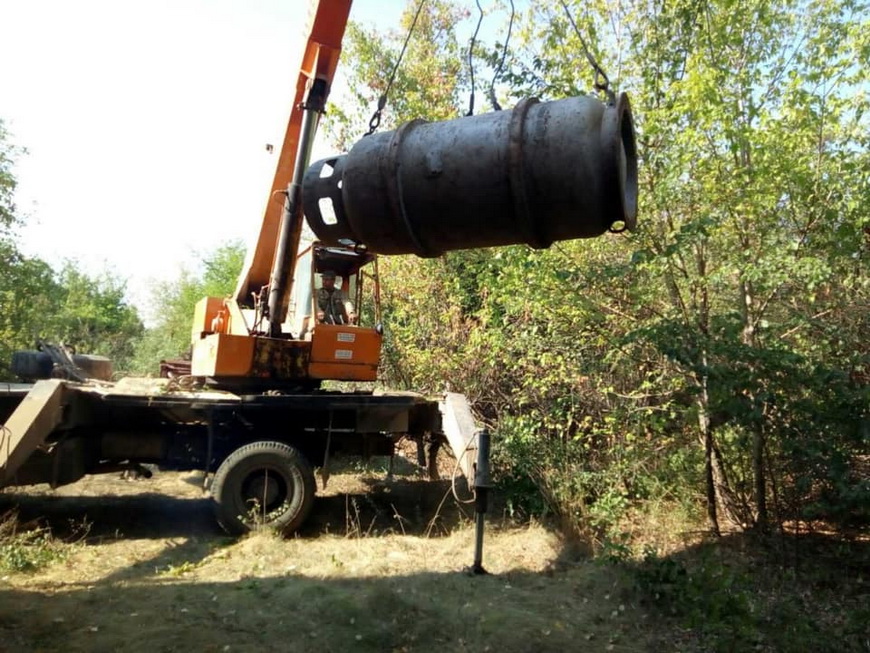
(265, 494)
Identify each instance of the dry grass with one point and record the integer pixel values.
(380, 567)
(665, 528)
(156, 575)
(332, 594)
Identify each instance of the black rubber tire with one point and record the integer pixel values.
(29, 365)
(273, 470)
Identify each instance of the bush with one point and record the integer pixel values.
(25, 549)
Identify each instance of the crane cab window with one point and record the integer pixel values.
(333, 300)
(349, 298)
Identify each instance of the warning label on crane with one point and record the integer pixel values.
(343, 354)
(346, 337)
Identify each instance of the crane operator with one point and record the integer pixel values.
(333, 305)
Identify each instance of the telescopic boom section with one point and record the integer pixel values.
(326, 23)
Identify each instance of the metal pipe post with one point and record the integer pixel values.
(482, 484)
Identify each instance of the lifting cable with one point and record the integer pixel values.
(375, 121)
(492, 99)
(601, 81)
(471, 58)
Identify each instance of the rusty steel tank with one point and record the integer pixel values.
(539, 173)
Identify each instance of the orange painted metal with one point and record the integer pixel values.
(345, 353)
(222, 346)
(326, 22)
(204, 314)
(220, 354)
(335, 352)
(217, 315)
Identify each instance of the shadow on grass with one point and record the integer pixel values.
(747, 592)
(727, 596)
(740, 592)
(385, 507)
(146, 515)
(412, 507)
(418, 612)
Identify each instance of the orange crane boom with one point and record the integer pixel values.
(326, 22)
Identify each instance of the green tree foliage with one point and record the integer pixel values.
(68, 306)
(428, 81)
(719, 352)
(173, 305)
(770, 218)
(24, 302)
(754, 183)
(88, 314)
(8, 154)
(93, 315)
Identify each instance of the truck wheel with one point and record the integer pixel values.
(263, 484)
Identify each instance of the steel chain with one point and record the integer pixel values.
(375, 121)
(601, 82)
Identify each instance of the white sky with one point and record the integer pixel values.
(145, 123)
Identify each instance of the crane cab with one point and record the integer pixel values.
(230, 349)
(341, 348)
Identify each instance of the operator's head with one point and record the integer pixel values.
(328, 279)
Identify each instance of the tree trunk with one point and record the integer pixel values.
(707, 441)
(761, 521)
(758, 437)
(720, 498)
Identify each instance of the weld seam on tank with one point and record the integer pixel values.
(517, 175)
(392, 162)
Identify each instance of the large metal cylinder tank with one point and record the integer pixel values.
(539, 173)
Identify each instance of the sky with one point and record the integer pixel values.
(145, 124)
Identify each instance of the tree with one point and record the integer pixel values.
(93, 315)
(8, 182)
(428, 81)
(68, 306)
(718, 349)
(174, 302)
(26, 287)
(753, 135)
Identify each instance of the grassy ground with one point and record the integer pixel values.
(380, 568)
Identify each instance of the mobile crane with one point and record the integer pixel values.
(541, 172)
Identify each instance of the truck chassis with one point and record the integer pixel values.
(260, 448)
